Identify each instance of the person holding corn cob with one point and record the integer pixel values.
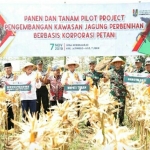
(56, 88)
(117, 88)
(138, 65)
(70, 76)
(42, 92)
(147, 65)
(9, 76)
(93, 73)
(28, 98)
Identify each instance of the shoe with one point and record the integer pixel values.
(88, 123)
(121, 124)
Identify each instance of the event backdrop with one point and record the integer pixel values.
(74, 30)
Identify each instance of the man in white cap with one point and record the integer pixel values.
(71, 75)
(147, 65)
(28, 98)
(117, 88)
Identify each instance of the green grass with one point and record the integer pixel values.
(82, 141)
(2, 142)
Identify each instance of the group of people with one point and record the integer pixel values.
(39, 93)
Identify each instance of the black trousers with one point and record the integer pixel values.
(10, 116)
(54, 103)
(121, 108)
(42, 96)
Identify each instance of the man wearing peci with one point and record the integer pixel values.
(9, 76)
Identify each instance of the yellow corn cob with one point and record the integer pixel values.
(49, 114)
(64, 117)
(67, 74)
(15, 74)
(2, 93)
(33, 136)
(146, 91)
(76, 130)
(76, 76)
(7, 131)
(95, 90)
(48, 69)
(37, 75)
(66, 105)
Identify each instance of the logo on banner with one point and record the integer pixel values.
(143, 38)
(6, 37)
(135, 12)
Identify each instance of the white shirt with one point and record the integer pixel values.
(69, 77)
(29, 78)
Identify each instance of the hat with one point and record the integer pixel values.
(138, 59)
(28, 64)
(55, 68)
(116, 59)
(7, 65)
(39, 62)
(147, 61)
(92, 62)
(71, 62)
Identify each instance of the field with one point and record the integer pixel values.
(65, 128)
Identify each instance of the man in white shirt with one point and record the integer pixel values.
(28, 98)
(71, 76)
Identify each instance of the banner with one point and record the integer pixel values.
(74, 30)
(77, 86)
(136, 78)
(17, 86)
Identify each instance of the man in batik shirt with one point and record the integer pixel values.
(56, 89)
